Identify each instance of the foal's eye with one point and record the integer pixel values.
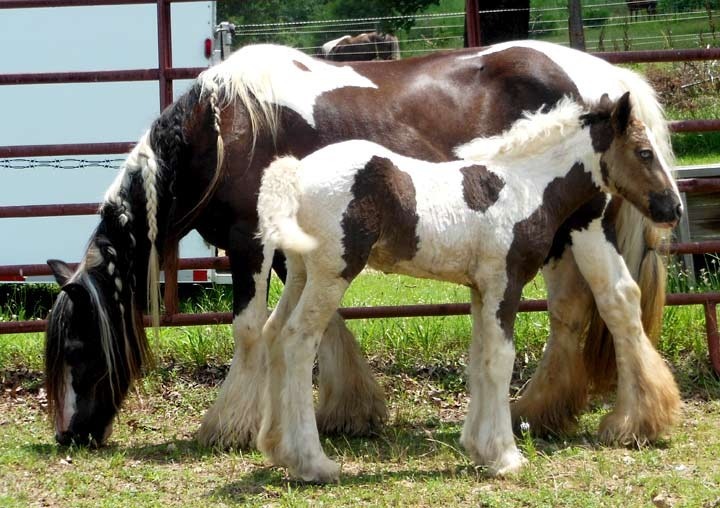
(645, 155)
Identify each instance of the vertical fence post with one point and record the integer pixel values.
(713, 338)
(472, 24)
(164, 52)
(575, 25)
(164, 32)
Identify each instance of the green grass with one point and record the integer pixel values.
(153, 460)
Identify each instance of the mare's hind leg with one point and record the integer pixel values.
(350, 399)
(558, 389)
(234, 419)
(487, 432)
(648, 400)
(288, 434)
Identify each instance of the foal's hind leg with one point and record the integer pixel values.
(234, 419)
(648, 400)
(558, 391)
(350, 399)
(288, 434)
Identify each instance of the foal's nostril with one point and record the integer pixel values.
(678, 211)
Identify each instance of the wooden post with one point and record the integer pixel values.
(473, 38)
(575, 22)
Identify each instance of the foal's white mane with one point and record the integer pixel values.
(532, 135)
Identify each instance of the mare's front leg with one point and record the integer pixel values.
(487, 433)
(558, 390)
(234, 419)
(648, 400)
(350, 400)
(288, 434)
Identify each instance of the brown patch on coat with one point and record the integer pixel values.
(383, 211)
(301, 66)
(481, 187)
(533, 237)
(468, 97)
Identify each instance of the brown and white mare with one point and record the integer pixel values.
(486, 221)
(266, 101)
(361, 47)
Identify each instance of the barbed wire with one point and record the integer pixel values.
(255, 28)
(19, 164)
(595, 22)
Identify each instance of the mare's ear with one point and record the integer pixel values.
(605, 103)
(77, 293)
(621, 114)
(61, 271)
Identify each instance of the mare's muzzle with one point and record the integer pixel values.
(665, 207)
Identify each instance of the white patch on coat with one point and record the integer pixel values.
(271, 75)
(69, 407)
(664, 163)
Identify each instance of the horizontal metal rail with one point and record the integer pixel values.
(45, 78)
(659, 55)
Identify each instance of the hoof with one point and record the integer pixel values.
(320, 471)
(509, 464)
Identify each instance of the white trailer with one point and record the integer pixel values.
(93, 38)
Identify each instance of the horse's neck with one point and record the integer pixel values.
(567, 175)
(559, 160)
(122, 239)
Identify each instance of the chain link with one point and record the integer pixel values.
(60, 163)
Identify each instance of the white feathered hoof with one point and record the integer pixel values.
(510, 464)
(322, 470)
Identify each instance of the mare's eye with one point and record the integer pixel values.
(645, 155)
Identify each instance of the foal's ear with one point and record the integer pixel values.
(621, 114)
(605, 103)
(60, 270)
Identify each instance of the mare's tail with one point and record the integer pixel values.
(278, 207)
(640, 244)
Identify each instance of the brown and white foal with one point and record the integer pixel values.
(486, 222)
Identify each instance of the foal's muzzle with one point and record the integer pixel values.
(665, 208)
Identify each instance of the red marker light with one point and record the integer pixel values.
(208, 47)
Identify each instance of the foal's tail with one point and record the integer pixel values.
(278, 206)
(639, 242)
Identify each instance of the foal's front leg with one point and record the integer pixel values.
(288, 434)
(234, 419)
(487, 433)
(648, 400)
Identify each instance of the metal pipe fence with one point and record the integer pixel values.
(165, 74)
